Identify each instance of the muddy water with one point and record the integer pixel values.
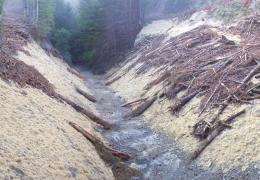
(152, 153)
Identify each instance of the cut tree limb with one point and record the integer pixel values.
(158, 80)
(74, 72)
(96, 142)
(86, 95)
(143, 107)
(183, 101)
(117, 77)
(87, 113)
(134, 102)
(218, 129)
(171, 93)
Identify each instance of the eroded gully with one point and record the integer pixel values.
(154, 154)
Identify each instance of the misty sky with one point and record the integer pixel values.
(74, 3)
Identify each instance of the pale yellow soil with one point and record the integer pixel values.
(35, 138)
(55, 70)
(237, 147)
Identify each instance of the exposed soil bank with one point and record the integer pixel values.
(155, 154)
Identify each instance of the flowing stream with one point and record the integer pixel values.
(154, 154)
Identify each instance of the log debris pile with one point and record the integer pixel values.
(13, 38)
(205, 62)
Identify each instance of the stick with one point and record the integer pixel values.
(142, 108)
(95, 141)
(86, 95)
(87, 113)
(134, 102)
(211, 96)
(220, 127)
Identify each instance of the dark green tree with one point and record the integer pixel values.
(45, 19)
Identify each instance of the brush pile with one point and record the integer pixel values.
(205, 62)
(14, 36)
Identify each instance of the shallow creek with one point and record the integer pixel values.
(154, 154)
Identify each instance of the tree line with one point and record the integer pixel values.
(98, 33)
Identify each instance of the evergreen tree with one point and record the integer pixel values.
(91, 22)
(46, 16)
(1, 5)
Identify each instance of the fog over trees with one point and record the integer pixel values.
(94, 33)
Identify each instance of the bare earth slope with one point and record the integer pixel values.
(36, 140)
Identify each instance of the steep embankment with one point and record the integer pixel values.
(198, 73)
(36, 140)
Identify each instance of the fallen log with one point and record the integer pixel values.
(97, 143)
(86, 95)
(256, 91)
(257, 76)
(203, 127)
(253, 98)
(218, 129)
(158, 80)
(87, 113)
(134, 102)
(142, 108)
(171, 93)
(109, 82)
(74, 72)
(183, 101)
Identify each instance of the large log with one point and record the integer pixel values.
(86, 95)
(114, 79)
(74, 72)
(87, 113)
(143, 107)
(183, 101)
(218, 129)
(96, 142)
(172, 92)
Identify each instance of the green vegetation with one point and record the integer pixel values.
(90, 27)
(46, 16)
(77, 36)
(1, 6)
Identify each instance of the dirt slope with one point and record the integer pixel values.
(36, 140)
